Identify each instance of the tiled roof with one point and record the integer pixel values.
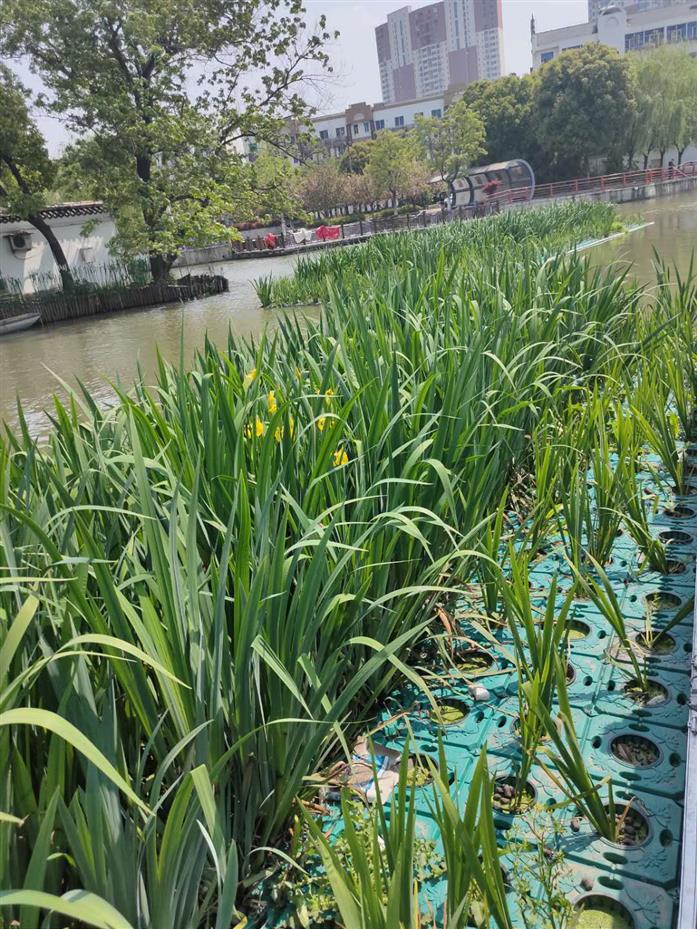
(59, 210)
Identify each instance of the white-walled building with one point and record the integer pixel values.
(632, 6)
(84, 231)
(624, 27)
(362, 121)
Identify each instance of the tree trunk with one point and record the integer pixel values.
(40, 224)
(663, 155)
(160, 266)
(646, 160)
(681, 152)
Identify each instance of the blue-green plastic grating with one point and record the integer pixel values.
(456, 718)
(671, 651)
(545, 795)
(637, 756)
(654, 861)
(587, 681)
(502, 737)
(663, 598)
(612, 895)
(670, 708)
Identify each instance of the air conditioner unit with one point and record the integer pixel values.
(20, 243)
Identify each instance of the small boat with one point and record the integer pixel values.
(15, 323)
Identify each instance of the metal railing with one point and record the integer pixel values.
(620, 179)
(597, 184)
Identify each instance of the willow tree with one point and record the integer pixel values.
(26, 171)
(167, 92)
(666, 92)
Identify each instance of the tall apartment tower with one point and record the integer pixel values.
(439, 47)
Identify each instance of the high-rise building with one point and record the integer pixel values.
(439, 47)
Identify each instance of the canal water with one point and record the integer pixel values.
(36, 363)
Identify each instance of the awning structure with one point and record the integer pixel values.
(513, 180)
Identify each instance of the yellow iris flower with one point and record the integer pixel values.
(257, 430)
(340, 457)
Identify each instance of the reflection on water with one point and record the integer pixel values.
(110, 348)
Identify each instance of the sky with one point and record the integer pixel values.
(354, 56)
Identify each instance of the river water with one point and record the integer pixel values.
(36, 363)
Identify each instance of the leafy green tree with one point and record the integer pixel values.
(355, 158)
(168, 90)
(506, 108)
(583, 107)
(275, 184)
(450, 144)
(395, 168)
(26, 171)
(665, 81)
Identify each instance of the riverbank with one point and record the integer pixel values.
(55, 307)
(104, 349)
(632, 187)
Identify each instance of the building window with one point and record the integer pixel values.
(355, 128)
(437, 113)
(546, 56)
(649, 38)
(324, 133)
(398, 121)
(379, 123)
(682, 32)
(340, 131)
(366, 127)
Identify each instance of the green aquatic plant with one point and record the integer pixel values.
(476, 887)
(600, 590)
(493, 551)
(374, 883)
(263, 288)
(273, 528)
(654, 637)
(634, 504)
(547, 229)
(660, 426)
(568, 768)
(538, 635)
